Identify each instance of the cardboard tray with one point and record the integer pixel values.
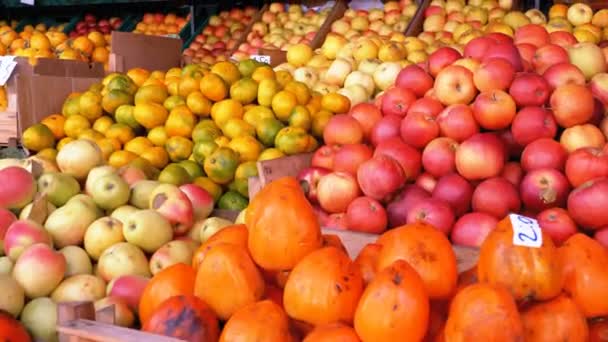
(35, 92)
(132, 50)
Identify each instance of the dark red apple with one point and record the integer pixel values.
(367, 215)
(348, 158)
(587, 204)
(426, 105)
(478, 47)
(586, 164)
(324, 156)
(531, 34)
(400, 206)
(494, 73)
(542, 189)
(441, 58)
(408, 157)
(527, 51)
(601, 236)
(309, 179)
(544, 153)
(438, 157)
(557, 223)
(455, 191)
(388, 127)
(512, 148)
(513, 173)
(472, 229)
(529, 89)
(418, 129)
(532, 123)
(432, 211)
(480, 156)
(563, 73)
(427, 182)
(396, 101)
(497, 197)
(336, 190)
(380, 176)
(457, 122)
(414, 78)
(507, 51)
(548, 56)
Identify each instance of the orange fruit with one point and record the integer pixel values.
(198, 104)
(224, 110)
(121, 158)
(180, 122)
(39, 41)
(335, 103)
(247, 147)
(102, 124)
(121, 132)
(156, 93)
(138, 75)
(156, 155)
(300, 90)
(283, 103)
(158, 136)
(299, 54)
(179, 148)
(227, 71)
(150, 115)
(84, 45)
(38, 137)
(48, 154)
(213, 87)
(90, 105)
(90, 134)
(100, 54)
(75, 124)
(187, 85)
(106, 146)
(283, 77)
(55, 123)
(263, 72)
(97, 38)
(63, 142)
(138, 145)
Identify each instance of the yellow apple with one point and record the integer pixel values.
(333, 43)
(600, 18)
(579, 14)
(588, 57)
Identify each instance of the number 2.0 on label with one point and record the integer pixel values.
(526, 231)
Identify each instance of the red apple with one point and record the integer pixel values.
(496, 197)
(500, 37)
(309, 181)
(396, 101)
(324, 157)
(599, 87)
(426, 105)
(455, 191)
(531, 34)
(472, 229)
(202, 201)
(572, 104)
(367, 215)
(337, 221)
(415, 79)
(513, 173)
(477, 47)
(480, 156)
(457, 122)
(6, 219)
(529, 89)
(418, 129)
(388, 127)
(586, 164)
(336, 190)
(408, 157)
(441, 58)
(454, 85)
(511, 147)
(579, 136)
(544, 153)
(367, 115)
(562, 38)
(557, 223)
(601, 236)
(438, 157)
(128, 288)
(494, 109)
(532, 123)
(507, 51)
(587, 204)
(494, 73)
(348, 158)
(544, 188)
(432, 211)
(322, 215)
(400, 206)
(427, 182)
(342, 129)
(380, 176)
(548, 56)
(526, 52)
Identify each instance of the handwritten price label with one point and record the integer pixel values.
(261, 58)
(28, 2)
(526, 231)
(7, 65)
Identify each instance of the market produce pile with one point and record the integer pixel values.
(495, 141)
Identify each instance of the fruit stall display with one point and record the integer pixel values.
(162, 24)
(207, 125)
(217, 40)
(495, 140)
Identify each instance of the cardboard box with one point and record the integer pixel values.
(133, 50)
(35, 92)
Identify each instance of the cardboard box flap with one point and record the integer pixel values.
(58, 67)
(130, 50)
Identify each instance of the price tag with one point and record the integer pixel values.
(7, 65)
(261, 58)
(526, 231)
(28, 2)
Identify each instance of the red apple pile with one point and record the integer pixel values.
(220, 36)
(91, 23)
(462, 140)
